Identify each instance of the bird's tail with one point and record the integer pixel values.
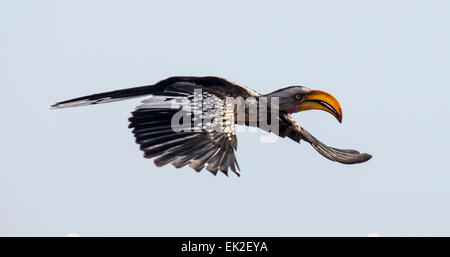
(107, 97)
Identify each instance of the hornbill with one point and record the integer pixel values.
(152, 121)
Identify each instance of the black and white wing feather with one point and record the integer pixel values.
(194, 145)
(151, 122)
(290, 128)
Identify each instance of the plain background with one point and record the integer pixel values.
(79, 171)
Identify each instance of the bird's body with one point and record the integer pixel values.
(206, 137)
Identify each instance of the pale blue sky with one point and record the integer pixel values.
(79, 170)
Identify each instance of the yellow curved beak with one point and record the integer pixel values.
(320, 100)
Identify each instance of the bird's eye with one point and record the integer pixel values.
(298, 97)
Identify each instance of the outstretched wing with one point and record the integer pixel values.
(198, 145)
(290, 128)
(151, 122)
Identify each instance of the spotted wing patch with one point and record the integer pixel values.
(199, 144)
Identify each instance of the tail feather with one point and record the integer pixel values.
(107, 97)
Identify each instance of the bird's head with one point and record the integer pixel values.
(298, 98)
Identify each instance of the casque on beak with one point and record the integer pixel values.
(320, 100)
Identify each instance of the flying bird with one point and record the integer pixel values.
(152, 121)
